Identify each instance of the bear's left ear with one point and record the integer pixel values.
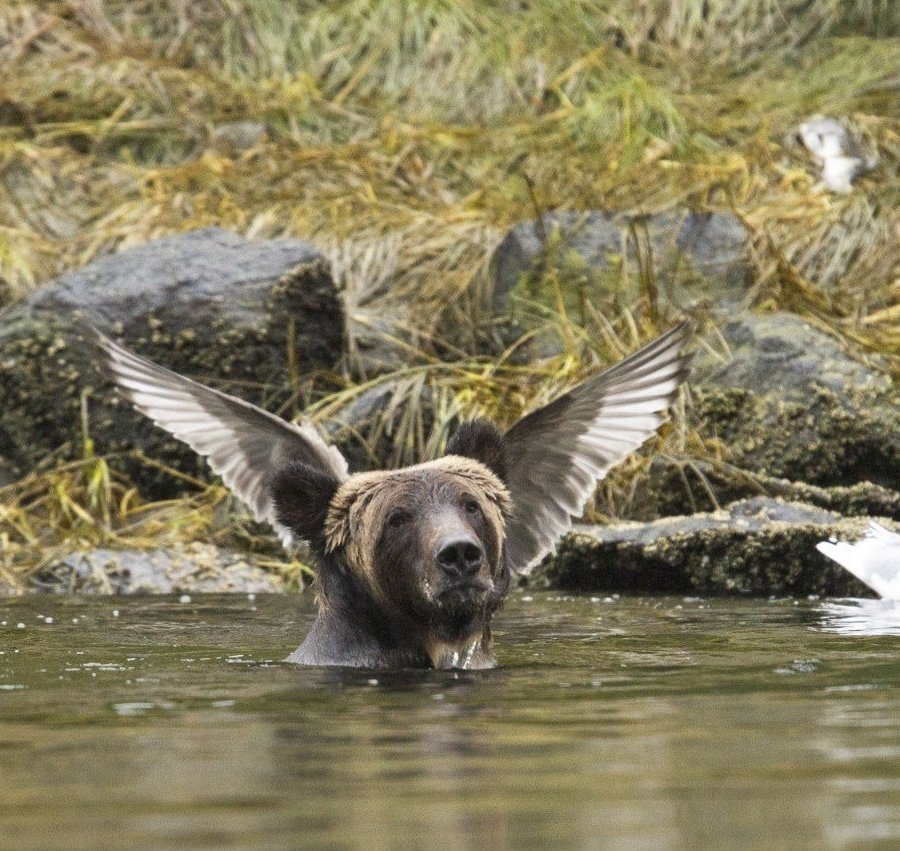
(481, 440)
(301, 495)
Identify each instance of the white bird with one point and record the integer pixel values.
(840, 155)
(874, 560)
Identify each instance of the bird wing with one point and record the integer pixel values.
(242, 443)
(555, 456)
(874, 560)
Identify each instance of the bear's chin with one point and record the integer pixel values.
(458, 610)
(462, 597)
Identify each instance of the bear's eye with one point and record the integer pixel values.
(398, 518)
(471, 507)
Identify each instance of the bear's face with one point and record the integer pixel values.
(427, 543)
(411, 562)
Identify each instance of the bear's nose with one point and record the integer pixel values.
(461, 557)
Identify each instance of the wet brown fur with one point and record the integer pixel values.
(383, 600)
(358, 509)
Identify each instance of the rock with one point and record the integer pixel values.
(194, 568)
(797, 417)
(359, 428)
(760, 546)
(378, 338)
(672, 487)
(248, 317)
(578, 255)
(792, 404)
(236, 137)
(784, 352)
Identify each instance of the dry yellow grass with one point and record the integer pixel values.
(404, 138)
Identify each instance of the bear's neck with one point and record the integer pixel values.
(352, 629)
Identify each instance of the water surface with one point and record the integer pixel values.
(611, 723)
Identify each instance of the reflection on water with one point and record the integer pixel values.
(862, 617)
(611, 723)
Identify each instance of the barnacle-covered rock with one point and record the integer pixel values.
(760, 546)
(791, 403)
(252, 318)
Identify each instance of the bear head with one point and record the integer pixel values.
(422, 547)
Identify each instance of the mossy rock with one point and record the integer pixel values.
(796, 416)
(826, 440)
(566, 259)
(790, 403)
(756, 547)
(674, 487)
(252, 318)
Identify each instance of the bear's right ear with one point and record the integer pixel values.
(481, 440)
(301, 495)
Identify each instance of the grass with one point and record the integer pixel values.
(404, 139)
(84, 504)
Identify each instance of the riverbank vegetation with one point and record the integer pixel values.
(404, 139)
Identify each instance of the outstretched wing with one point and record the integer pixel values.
(555, 455)
(243, 444)
(874, 560)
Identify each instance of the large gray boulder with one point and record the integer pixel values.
(797, 416)
(577, 257)
(791, 404)
(253, 318)
(781, 352)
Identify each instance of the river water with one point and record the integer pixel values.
(610, 723)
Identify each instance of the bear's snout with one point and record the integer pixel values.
(460, 558)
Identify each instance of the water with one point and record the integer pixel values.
(611, 723)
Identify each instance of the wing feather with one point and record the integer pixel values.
(555, 455)
(242, 443)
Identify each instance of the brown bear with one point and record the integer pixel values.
(413, 563)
